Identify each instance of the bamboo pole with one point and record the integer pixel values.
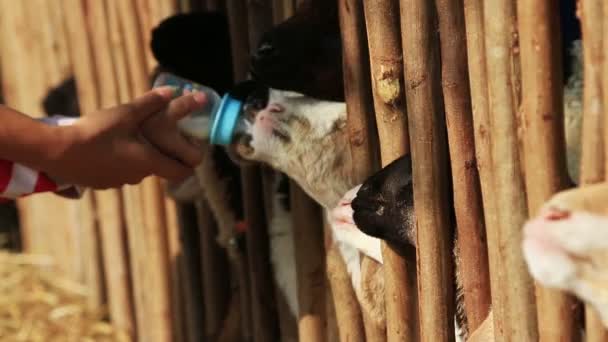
(109, 202)
(357, 90)
(605, 88)
(346, 306)
(282, 10)
(191, 267)
(359, 106)
(593, 169)
(264, 314)
(215, 285)
(185, 314)
(239, 36)
(332, 332)
(263, 304)
(476, 54)
(468, 207)
(545, 160)
(517, 319)
(429, 152)
(310, 264)
(237, 21)
(386, 59)
(151, 205)
(131, 198)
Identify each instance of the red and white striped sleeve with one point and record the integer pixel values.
(17, 180)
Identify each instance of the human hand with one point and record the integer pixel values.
(106, 149)
(161, 130)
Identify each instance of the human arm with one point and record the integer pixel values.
(103, 149)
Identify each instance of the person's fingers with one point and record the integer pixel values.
(177, 146)
(152, 102)
(157, 163)
(167, 138)
(184, 105)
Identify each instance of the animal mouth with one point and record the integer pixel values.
(546, 244)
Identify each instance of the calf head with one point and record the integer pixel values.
(384, 205)
(566, 247)
(195, 46)
(303, 54)
(301, 136)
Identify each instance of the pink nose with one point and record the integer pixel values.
(265, 122)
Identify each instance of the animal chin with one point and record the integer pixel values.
(242, 149)
(548, 262)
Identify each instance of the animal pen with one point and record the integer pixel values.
(471, 88)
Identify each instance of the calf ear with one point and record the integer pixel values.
(195, 46)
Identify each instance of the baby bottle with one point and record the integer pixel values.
(217, 121)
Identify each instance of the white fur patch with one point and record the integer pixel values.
(282, 252)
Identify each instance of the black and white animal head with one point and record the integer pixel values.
(383, 206)
(303, 137)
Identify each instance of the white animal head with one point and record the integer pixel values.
(568, 250)
(303, 137)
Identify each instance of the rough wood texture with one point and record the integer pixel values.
(263, 304)
(429, 159)
(476, 54)
(149, 211)
(348, 311)
(593, 162)
(216, 283)
(239, 36)
(468, 207)
(359, 106)
(545, 157)
(310, 264)
(185, 320)
(109, 202)
(357, 90)
(384, 40)
(282, 10)
(517, 319)
(264, 309)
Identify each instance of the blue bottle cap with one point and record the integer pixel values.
(224, 120)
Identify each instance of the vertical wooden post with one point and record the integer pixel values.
(264, 314)
(145, 202)
(545, 157)
(517, 319)
(282, 10)
(239, 35)
(186, 297)
(310, 264)
(109, 202)
(347, 308)
(472, 249)
(429, 160)
(215, 283)
(593, 161)
(476, 53)
(361, 125)
(386, 59)
(263, 303)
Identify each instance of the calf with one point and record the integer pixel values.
(566, 245)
